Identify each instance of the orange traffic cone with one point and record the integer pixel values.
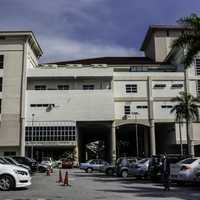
(48, 172)
(66, 180)
(60, 180)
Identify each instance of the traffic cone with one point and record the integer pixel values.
(48, 172)
(60, 180)
(66, 180)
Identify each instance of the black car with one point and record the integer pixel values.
(27, 161)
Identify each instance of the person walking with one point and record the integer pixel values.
(166, 173)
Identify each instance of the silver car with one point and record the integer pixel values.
(186, 170)
(140, 169)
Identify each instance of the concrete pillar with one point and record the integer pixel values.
(146, 143)
(113, 143)
(152, 138)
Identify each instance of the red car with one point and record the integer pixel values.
(67, 164)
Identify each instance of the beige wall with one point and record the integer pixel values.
(10, 116)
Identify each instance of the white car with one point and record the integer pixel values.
(186, 170)
(12, 176)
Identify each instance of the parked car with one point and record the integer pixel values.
(12, 176)
(27, 161)
(186, 170)
(14, 162)
(108, 169)
(140, 168)
(66, 163)
(123, 164)
(156, 167)
(92, 165)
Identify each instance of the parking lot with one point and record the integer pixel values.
(97, 186)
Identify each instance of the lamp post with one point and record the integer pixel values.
(33, 115)
(136, 133)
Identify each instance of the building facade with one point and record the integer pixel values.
(55, 109)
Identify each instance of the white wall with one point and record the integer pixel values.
(119, 88)
(167, 91)
(142, 113)
(78, 105)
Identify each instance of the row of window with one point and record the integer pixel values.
(42, 105)
(132, 88)
(55, 133)
(127, 109)
(63, 87)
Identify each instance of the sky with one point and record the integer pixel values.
(76, 29)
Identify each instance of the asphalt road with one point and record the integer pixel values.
(97, 186)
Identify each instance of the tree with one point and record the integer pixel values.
(185, 109)
(189, 41)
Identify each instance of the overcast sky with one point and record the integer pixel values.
(73, 29)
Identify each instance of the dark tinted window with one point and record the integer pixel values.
(1, 61)
(188, 161)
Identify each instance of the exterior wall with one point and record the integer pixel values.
(12, 49)
(78, 105)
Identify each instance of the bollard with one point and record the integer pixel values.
(60, 179)
(66, 180)
(48, 172)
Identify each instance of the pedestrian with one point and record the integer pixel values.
(166, 173)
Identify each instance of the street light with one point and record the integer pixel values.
(136, 133)
(33, 115)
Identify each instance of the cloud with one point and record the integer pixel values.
(56, 49)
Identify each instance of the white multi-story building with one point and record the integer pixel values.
(51, 109)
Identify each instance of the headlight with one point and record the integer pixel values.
(20, 172)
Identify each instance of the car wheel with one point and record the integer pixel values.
(124, 173)
(109, 172)
(89, 170)
(6, 183)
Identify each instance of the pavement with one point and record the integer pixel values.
(93, 186)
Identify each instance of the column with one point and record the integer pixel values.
(152, 138)
(151, 116)
(76, 148)
(113, 143)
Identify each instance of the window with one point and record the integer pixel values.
(63, 87)
(142, 107)
(0, 84)
(42, 105)
(127, 110)
(198, 88)
(51, 133)
(10, 153)
(177, 86)
(166, 106)
(197, 66)
(88, 87)
(131, 88)
(1, 61)
(40, 87)
(159, 86)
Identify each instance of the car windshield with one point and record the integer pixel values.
(143, 161)
(3, 161)
(12, 161)
(188, 161)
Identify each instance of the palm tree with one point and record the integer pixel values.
(189, 40)
(186, 109)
